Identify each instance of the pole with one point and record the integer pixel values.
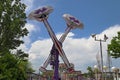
(100, 40)
(109, 61)
(101, 59)
(55, 63)
(56, 43)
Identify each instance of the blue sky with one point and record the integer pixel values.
(98, 16)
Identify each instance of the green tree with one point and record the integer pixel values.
(23, 60)
(10, 69)
(12, 22)
(114, 46)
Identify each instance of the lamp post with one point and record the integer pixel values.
(100, 40)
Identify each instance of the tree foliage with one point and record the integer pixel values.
(10, 69)
(114, 46)
(12, 22)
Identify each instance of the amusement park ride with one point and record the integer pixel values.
(41, 15)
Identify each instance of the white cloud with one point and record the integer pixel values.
(80, 51)
(30, 27)
(40, 48)
(112, 31)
